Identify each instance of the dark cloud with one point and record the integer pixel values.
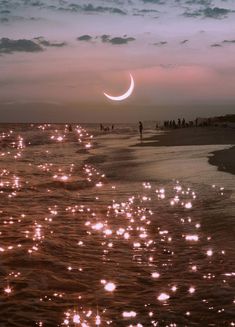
(116, 40)
(229, 41)
(85, 37)
(121, 40)
(160, 43)
(47, 43)
(146, 11)
(184, 41)
(36, 3)
(223, 42)
(105, 38)
(196, 13)
(62, 5)
(209, 12)
(159, 2)
(199, 2)
(5, 12)
(4, 20)
(90, 8)
(216, 45)
(216, 12)
(21, 45)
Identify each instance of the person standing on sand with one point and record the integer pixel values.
(141, 130)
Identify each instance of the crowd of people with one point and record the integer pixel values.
(106, 128)
(180, 123)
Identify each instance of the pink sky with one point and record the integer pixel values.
(172, 75)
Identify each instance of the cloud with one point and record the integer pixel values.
(4, 20)
(5, 11)
(146, 11)
(85, 37)
(229, 41)
(216, 45)
(216, 12)
(91, 8)
(121, 40)
(159, 2)
(209, 12)
(47, 43)
(184, 41)
(160, 43)
(21, 45)
(223, 42)
(199, 2)
(105, 38)
(116, 40)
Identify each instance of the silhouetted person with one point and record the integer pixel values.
(70, 128)
(112, 127)
(101, 127)
(183, 122)
(141, 129)
(179, 122)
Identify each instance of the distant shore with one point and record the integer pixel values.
(223, 159)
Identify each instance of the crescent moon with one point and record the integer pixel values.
(125, 95)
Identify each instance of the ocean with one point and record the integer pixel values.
(96, 231)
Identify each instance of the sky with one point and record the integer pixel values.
(57, 57)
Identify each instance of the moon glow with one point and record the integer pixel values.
(125, 95)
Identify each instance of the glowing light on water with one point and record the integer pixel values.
(98, 226)
(131, 236)
(194, 268)
(188, 205)
(193, 238)
(174, 288)
(191, 290)
(129, 314)
(76, 319)
(163, 297)
(126, 236)
(8, 290)
(110, 287)
(155, 275)
(88, 145)
(209, 253)
(97, 320)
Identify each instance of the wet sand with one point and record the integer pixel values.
(223, 159)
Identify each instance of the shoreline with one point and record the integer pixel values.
(224, 159)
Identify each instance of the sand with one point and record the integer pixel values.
(223, 159)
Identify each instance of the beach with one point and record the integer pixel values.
(96, 230)
(223, 159)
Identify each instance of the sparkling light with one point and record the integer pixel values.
(110, 287)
